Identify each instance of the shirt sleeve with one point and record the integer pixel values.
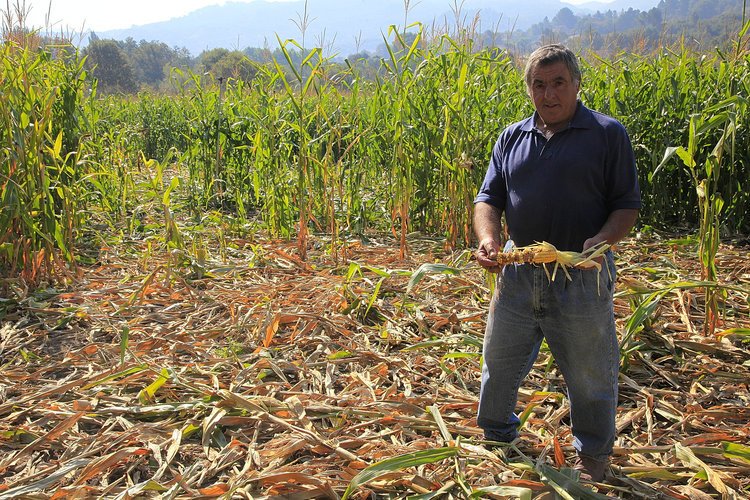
(622, 174)
(494, 189)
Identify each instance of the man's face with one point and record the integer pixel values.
(554, 94)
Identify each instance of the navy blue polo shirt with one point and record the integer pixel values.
(561, 190)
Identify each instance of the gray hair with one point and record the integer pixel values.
(551, 54)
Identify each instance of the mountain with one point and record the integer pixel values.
(340, 27)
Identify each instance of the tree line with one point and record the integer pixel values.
(130, 67)
(701, 25)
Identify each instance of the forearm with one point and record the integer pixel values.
(618, 225)
(487, 227)
(487, 222)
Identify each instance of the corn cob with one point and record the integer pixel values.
(546, 253)
(540, 253)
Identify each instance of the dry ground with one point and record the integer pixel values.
(258, 375)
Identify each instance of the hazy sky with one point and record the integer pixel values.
(102, 15)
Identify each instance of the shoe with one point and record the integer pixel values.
(591, 470)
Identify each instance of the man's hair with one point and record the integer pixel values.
(551, 54)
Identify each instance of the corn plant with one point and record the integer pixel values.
(655, 96)
(42, 180)
(706, 181)
(311, 144)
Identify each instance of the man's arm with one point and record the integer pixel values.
(618, 225)
(487, 227)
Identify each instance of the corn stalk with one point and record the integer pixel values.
(40, 175)
(706, 182)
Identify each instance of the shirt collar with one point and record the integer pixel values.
(581, 119)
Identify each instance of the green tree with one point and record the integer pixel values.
(565, 18)
(149, 60)
(106, 62)
(234, 65)
(210, 58)
(258, 54)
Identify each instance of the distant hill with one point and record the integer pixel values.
(342, 27)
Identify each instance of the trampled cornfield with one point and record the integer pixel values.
(163, 335)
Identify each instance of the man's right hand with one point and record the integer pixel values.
(487, 255)
(487, 225)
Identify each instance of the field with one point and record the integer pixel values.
(265, 289)
(262, 375)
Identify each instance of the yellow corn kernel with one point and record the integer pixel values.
(544, 253)
(539, 253)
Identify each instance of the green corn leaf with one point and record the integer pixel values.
(339, 355)
(289, 61)
(168, 192)
(686, 157)
(424, 345)
(565, 485)
(732, 332)
(374, 296)
(526, 414)
(377, 271)
(715, 121)
(473, 341)
(735, 450)
(640, 315)
(426, 269)
(688, 457)
(398, 463)
(744, 30)
(148, 393)
(133, 491)
(119, 374)
(354, 268)
(58, 145)
(456, 355)
(668, 154)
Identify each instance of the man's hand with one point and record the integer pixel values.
(616, 227)
(487, 255)
(487, 227)
(592, 242)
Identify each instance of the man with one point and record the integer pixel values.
(566, 176)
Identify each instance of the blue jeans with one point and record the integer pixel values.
(577, 320)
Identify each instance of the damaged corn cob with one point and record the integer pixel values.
(546, 253)
(539, 253)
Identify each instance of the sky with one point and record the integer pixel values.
(102, 15)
